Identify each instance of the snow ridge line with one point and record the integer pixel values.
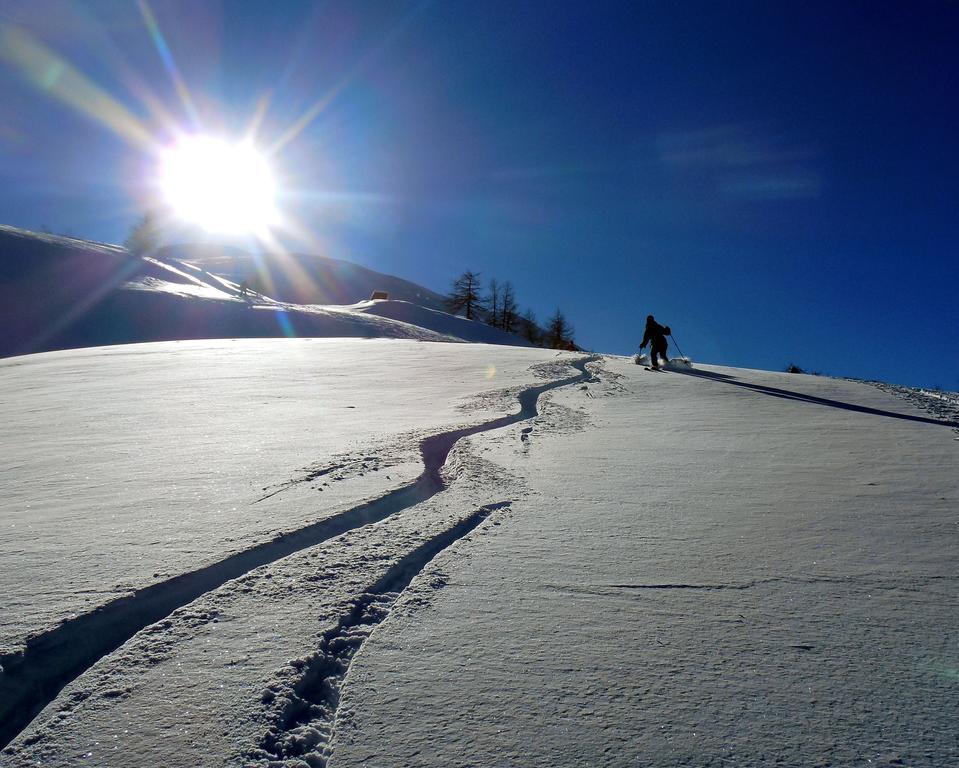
(32, 677)
(306, 721)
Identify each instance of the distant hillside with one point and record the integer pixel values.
(61, 292)
(304, 279)
(441, 322)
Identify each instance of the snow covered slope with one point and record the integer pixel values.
(438, 321)
(174, 454)
(60, 293)
(713, 567)
(721, 567)
(307, 279)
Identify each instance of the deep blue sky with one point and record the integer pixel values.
(777, 181)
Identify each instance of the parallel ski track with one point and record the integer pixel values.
(31, 678)
(314, 699)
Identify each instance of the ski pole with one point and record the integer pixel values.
(677, 346)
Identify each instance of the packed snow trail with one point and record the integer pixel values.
(33, 677)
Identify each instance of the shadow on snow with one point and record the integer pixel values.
(787, 394)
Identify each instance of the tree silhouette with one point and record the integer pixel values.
(493, 304)
(529, 327)
(144, 237)
(559, 333)
(465, 295)
(508, 309)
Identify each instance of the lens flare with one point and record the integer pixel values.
(58, 78)
(224, 188)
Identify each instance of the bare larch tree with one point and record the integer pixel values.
(465, 296)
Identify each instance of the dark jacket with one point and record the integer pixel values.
(655, 335)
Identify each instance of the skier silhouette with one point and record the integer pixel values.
(655, 336)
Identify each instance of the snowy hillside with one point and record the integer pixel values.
(60, 293)
(307, 279)
(378, 552)
(452, 326)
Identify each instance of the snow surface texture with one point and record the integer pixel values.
(124, 466)
(711, 567)
(50, 659)
(729, 568)
(942, 405)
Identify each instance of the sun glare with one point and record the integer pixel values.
(224, 188)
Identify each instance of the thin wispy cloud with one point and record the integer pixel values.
(782, 185)
(745, 161)
(535, 173)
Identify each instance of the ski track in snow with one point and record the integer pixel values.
(307, 721)
(34, 676)
(689, 644)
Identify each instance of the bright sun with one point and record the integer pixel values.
(222, 187)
